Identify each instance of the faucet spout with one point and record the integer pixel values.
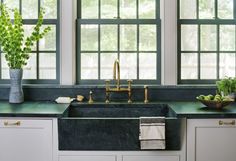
(118, 88)
(116, 73)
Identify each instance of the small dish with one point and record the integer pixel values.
(80, 98)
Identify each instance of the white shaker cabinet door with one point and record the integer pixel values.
(211, 140)
(87, 158)
(150, 158)
(25, 140)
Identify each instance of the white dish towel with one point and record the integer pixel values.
(152, 133)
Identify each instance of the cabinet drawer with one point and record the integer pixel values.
(212, 122)
(150, 158)
(87, 158)
(24, 123)
(26, 140)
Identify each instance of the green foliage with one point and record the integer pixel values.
(226, 86)
(14, 44)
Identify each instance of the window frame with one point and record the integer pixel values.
(199, 22)
(118, 22)
(56, 23)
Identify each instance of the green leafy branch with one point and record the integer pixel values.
(16, 46)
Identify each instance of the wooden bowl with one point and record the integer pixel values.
(215, 104)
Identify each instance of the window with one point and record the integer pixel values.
(206, 47)
(128, 30)
(43, 64)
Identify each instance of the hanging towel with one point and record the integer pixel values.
(152, 133)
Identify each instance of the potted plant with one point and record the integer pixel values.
(227, 87)
(17, 47)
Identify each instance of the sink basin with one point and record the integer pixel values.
(120, 110)
(113, 126)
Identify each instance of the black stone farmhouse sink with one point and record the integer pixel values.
(112, 126)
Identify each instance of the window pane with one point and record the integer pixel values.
(227, 38)
(147, 9)
(4, 67)
(208, 65)
(50, 7)
(189, 66)
(109, 9)
(227, 65)
(128, 37)
(109, 37)
(49, 41)
(148, 38)
(189, 37)
(208, 38)
(207, 9)
(147, 66)
(28, 29)
(188, 9)
(89, 9)
(89, 37)
(226, 9)
(29, 9)
(89, 66)
(30, 70)
(47, 65)
(12, 4)
(128, 9)
(128, 65)
(107, 62)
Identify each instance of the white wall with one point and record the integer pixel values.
(169, 42)
(68, 43)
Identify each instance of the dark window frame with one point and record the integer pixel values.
(56, 23)
(218, 22)
(118, 22)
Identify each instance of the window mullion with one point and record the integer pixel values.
(216, 10)
(218, 52)
(199, 51)
(234, 9)
(20, 7)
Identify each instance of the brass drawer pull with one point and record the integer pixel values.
(226, 123)
(6, 123)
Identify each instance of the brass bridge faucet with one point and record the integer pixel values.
(118, 89)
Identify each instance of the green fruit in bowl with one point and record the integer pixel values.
(211, 97)
(218, 98)
(208, 98)
(201, 97)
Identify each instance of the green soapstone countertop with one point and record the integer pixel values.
(32, 109)
(198, 110)
(52, 109)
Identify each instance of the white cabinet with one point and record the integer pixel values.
(211, 140)
(87, 158)
(26, 140)
(150, 158)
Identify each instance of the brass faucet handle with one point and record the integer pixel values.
(107, 84)
(90, 97)
(129, 83)
(146, 94)
(107, 81)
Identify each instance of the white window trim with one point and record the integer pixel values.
(68, 42)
